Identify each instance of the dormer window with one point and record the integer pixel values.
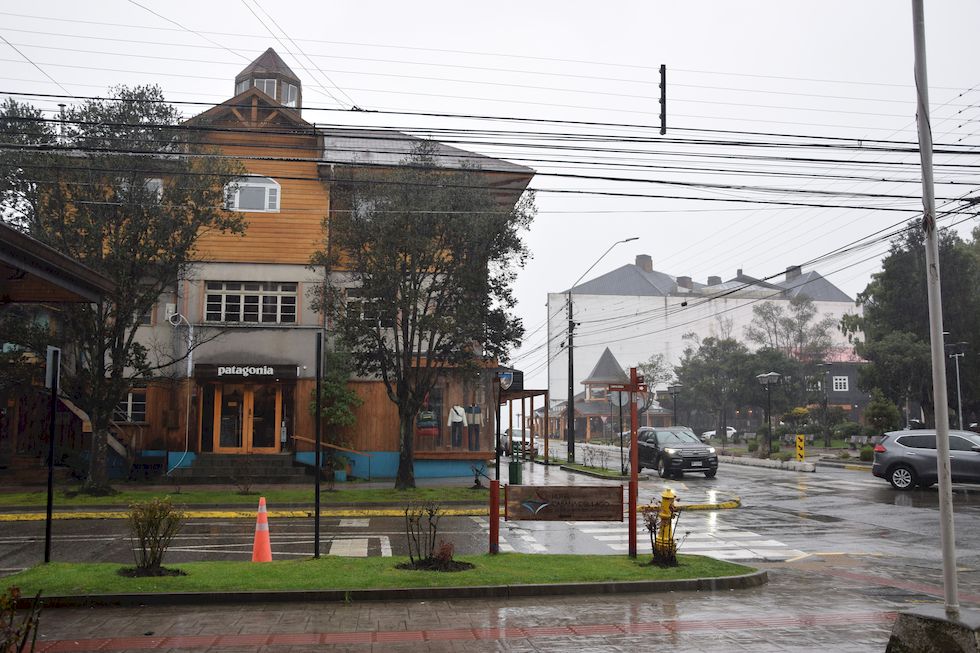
(253, 194)
(242, 86)
(267, 86)
(290, 95)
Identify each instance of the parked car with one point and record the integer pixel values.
(513, 440)
(729, 434)
(908, 458)
(673, 450)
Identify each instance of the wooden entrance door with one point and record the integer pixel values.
(247, 418)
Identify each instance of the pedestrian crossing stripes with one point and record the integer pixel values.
(700, 536)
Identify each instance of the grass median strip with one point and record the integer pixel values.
(189, 496)
(197, 513)
(362, 573)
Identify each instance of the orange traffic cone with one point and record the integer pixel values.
(262, 548)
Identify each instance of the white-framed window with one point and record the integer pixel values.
(152, 185)
(367, 308)
(242, 86)
(840, 384)
(253, 194)
(133, 407)
(290, 95)
(265, 302)
(146, 317)
(267, 86)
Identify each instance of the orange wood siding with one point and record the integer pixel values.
(293, 233)
(376, 428)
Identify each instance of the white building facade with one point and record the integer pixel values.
(638, 312)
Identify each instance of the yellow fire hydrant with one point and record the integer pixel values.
(665, 548)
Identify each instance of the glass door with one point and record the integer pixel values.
(246, 418)
(229, 418)
(264, 418)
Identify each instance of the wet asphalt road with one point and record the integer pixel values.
(843, 550)
(785, 516)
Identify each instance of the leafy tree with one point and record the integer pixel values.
(337, 400)
(87, 188)
(715, 374)
(431, 256)
(882, 414)
(896, 315)
(796, 330)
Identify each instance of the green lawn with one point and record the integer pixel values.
(278, 496)
(361, 573)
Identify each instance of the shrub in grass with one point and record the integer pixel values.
(867, 454)
(153, 525)
(17, 636)
(421, 533)
(753, 446)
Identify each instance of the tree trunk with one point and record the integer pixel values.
(406, 451)
(97, 482)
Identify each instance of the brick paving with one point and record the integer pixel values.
(828, 605)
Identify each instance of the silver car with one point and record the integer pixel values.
(908, 458)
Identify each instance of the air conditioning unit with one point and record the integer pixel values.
(169, 311)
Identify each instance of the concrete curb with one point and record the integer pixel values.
(840, 464)
(724, 583)
(734, 502)
(788, 465)
(583, 472)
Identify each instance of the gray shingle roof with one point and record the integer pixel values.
(607, 370)
(628, 280)
(390, 147)
(815, 286)
(267, 62)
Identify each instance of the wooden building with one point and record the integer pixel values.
(244, 318)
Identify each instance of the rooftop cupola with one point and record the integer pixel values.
(270, 74)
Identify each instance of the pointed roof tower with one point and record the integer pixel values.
(270, 74)
(606, 371)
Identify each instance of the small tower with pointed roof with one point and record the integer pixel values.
(270, 74)
(607, 371)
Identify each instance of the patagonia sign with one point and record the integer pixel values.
(236, 371)
(233, 370)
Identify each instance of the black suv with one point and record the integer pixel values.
(673, 450)
(908, 458)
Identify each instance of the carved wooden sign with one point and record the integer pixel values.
(563, 503)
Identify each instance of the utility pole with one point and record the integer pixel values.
(663, 99)
(570, 407)
(934, 288)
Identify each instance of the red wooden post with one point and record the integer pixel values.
(634, 462)
(494, 517)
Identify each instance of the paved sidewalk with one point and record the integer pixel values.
(818, 605)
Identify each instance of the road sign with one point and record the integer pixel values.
(800, 448)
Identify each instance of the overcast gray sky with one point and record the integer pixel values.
(815, 69)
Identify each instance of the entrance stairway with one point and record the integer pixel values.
(241, 469)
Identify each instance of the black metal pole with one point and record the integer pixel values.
(570, 408)
(316, 455)
(55, 368)
(769, 419)
(673, 397)
(497, 448)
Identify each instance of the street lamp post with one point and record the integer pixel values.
(673, 391)
(825, 367)
(957, 349)
(570, 406)
(768, 380)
